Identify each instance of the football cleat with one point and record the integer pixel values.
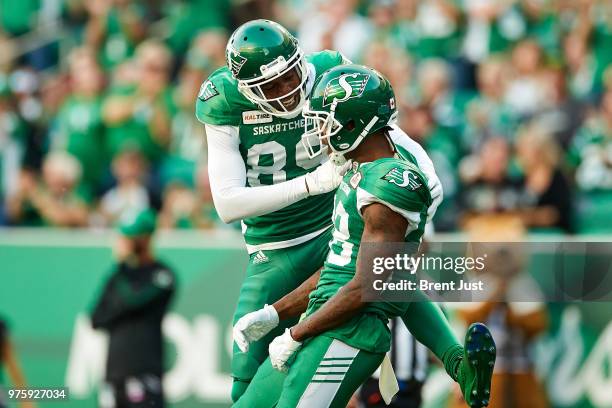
(476, 367)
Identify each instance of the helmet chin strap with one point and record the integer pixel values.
(390, 141)
(338, 158)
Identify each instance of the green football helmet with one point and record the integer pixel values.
(346, 104)
(262, 51)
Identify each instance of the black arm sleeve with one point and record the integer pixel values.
(101, 316)
(123, 298)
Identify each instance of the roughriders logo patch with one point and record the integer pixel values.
(236, 61)
(403, 178)
(207, 91)
(345, 87)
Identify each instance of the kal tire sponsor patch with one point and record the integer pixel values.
(255, 117)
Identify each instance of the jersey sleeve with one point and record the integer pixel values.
(327, 59)
(409, 147)
(218, 100)
(398, 185)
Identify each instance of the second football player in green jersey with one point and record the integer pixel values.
(396, 183)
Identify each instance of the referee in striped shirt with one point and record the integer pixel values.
(410, 362)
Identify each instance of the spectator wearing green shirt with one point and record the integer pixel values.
(601, 37)
(334, 25)
(394, 64)
(54, 201)
(591, 150)
(591, 156)
(526, 88)
(138, 115)
(563, 114)
(487, 114)
(435, 91)
(542, 24)
(491, 27)
(78, 125)
(187, 145)
(188, 18)
(129, 192)
(186, 208)
(439, 28)
(395, 25)
(582, 68)
(114, 29)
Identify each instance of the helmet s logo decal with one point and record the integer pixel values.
(235, 61)
(207, 91)
(345, 87)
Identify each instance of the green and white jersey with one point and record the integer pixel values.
(398, 184)
(272, 151)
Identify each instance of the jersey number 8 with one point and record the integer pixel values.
(278, 168)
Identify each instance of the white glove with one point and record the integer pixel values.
(253, 326)
(281, 349)
(325, 178)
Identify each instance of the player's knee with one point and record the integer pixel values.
(238, 388)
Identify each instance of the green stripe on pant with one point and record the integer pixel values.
(307, 383)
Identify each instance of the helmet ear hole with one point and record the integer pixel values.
(350, 125)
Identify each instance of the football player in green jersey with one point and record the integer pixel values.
(261, 173)
(383, 199)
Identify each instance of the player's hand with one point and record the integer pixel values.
(325, 178)
(281, 349)
(253, 326)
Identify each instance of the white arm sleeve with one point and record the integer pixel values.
(425, 164)
(227, 171)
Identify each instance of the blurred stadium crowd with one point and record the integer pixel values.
(511, 98)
